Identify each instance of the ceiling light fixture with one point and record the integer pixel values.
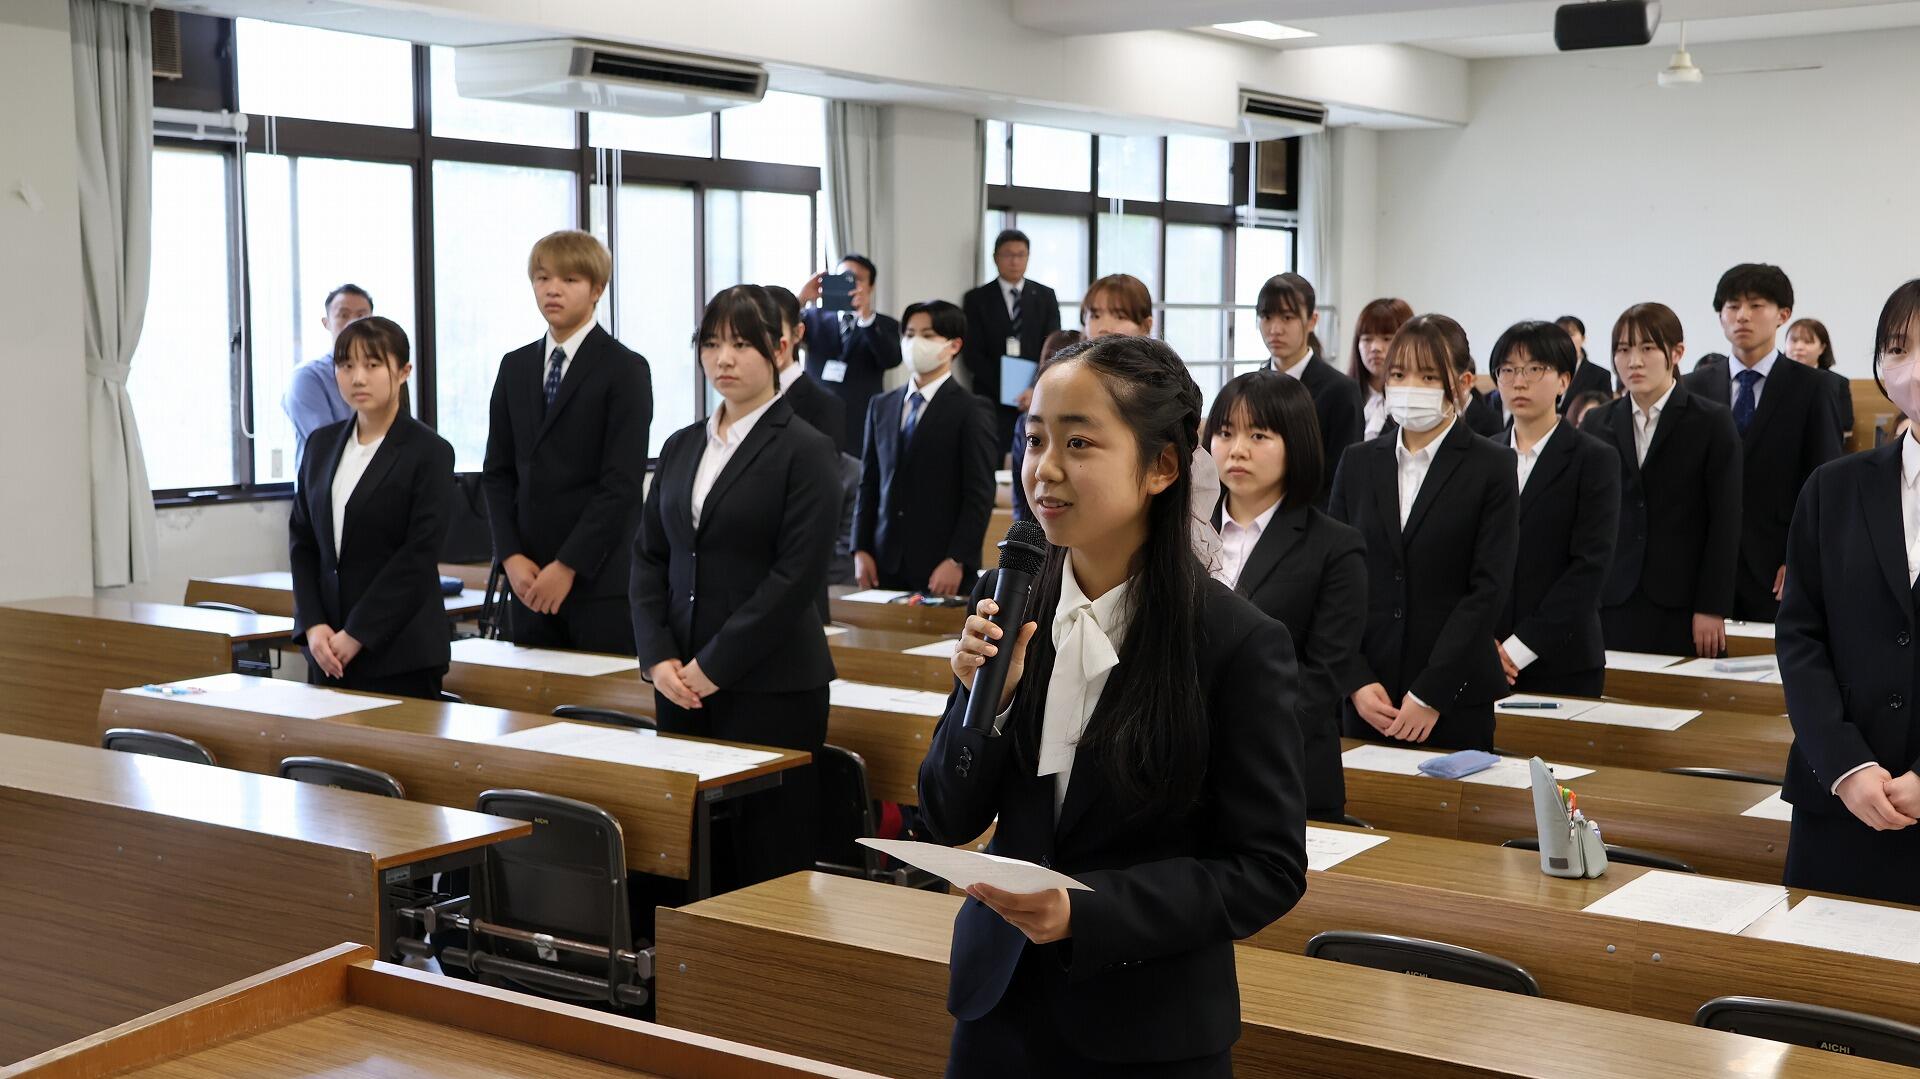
(1264, 30)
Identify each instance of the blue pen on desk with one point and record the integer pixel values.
(1540, 705)
(173, 691)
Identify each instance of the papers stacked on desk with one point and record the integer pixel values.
(938, 649)
(875, 595)
(1772, 807)
(1841, 925)
(966, 868)
(1639, 661)
(1397, 760)
(1690, 901)
(487, 653)
(1608, 712)
(911, 702)
(267, 696)
(617, 745)
(1328, 847)
(1751, 669)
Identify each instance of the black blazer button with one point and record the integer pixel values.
(1896, 701)
(1901, 638)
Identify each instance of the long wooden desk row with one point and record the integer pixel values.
(856, 973)
(272, 592)
(133, 882)
(338, 1012)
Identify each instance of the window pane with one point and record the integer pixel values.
(759, 237)
(483, 305)
(456, 117)
(1130, 244)
(1195, 257)
(314, 224)
(1197, 336)
(996, 152)
(181, 383)
(1130, 167)
(1247, 343)
(323, 74)
(653, 275)
(787, 129)
(995, 221)
(683, 136)
(1259, 254)
(1052, 157)
(1199, 169)
(1059, 254)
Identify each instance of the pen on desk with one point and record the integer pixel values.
(1540, 705)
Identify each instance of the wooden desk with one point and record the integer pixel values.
(1697, 820)
(272, 592)
(1743, 741)
(898, 617)
(862, 654)
(1691, 691)
(339, 1013)
(56, 655)
(441, 753)
(860, 970)
(1744, 639)
(997, 525)
(134, 882)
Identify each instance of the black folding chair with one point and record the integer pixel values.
(327, 772)
(606, 715)
(1623, 855)
(1426, 958)
(847, 814)
(1830, 1029)
(156, 744)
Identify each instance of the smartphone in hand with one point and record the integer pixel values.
(836, 291)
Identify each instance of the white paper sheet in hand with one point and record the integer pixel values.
(913, 702)
(1515, 772)
(938, 649)
(1772, 807)
(1564, 707)
(1639, 661)
(1690, 900)
(1328, 847)
(271, 696)
(966, 868)
(615, 745)
(874, 595)
(1636, 715)
(1843, 926)
(545, 660)
(1396, 760)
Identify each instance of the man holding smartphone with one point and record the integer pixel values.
(849, 345)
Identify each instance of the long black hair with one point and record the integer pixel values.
(1281, 404)
(1895, 317)
(1150, 734)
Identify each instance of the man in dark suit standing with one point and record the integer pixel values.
(850, 351)
(1787, 426)
(1288, 312)
(926, 480)
(1008, 316)
(566, 456)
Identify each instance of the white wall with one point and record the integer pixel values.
(46, 526)
(1356, 214)
(933, 185)
(211, 541)
(1579, 187)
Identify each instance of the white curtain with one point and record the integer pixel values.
(853, 176)
(1319, 253)
(113, 109)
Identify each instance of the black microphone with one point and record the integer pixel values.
(1022, 554)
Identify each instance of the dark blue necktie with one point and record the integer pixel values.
(1013, 310)
(554, 363)
(1744, 401)
(914, 401)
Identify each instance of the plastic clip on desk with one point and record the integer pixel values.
(1570, 845)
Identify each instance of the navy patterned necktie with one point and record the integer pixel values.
(914, 403)
(1745, 400)
(1013, 309)
(554, 364)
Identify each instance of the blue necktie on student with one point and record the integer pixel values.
(554, 364)
(1745, 400)
(914, 403)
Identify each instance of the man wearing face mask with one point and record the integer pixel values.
(926, 477)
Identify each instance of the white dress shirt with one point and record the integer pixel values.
(721, 450)
(1910, 519)
(1010, 293)
(1526, 459)
(1414, 466)
(1087, 635)
(1299, 366)
(1734, 367)
(1645, 423)
(1237, 543)
(926, 397)
(1375, 411)
(354, 459)
(571, 346)
(790, 376)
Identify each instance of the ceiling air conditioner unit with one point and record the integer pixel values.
(1269, 116)
(600, 77)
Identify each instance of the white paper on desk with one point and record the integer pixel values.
(1328, 847)
(615, 745)
(966, 868)
(1704, 668)
(1843, 926)
(1690, 900)
(1396, 760)
(938, 649)
(1763, 630)
(912, 702)
(1637, 715)
(833, 631)
(1515, 772)
(874, 595)
(1568, 707)
(487, 653)
(272, 697)
(1772, 807)
(1639, 661)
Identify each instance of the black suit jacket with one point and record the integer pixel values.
(1680, 514)
(1338, 405)
(1842, 391)
(1309, 573)
(1484, 417)
(988, 328)
(1569, 521)
(931, 501)
(823, 410)
(1845, 636)
(383, 587)
(869, 353)
(1436, 588)
(739, 593)
(563, 484)
(1587, 377)
(1148, 973)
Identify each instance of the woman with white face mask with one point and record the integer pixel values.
(1438, 507)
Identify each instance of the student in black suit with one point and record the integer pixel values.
(566, 458)
(1809, 345)
(825, 413)
(1786, 422)
(1372, 332)
(1671, 583)
(1847, 656)
(1588, 377)
(1008, 316)
(926, 481)
(1436, 505)
(1301, 567)
(1288, 317)
(1145, 746)
(369, 515)
(1550, 639)
(850, 351)
(729, 561)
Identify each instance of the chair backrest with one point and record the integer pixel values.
(327, 772)
(1829, 1029)
(155, 744)
(846, 811)
(568, 879)
(606, 715)
(216, 605)
(1622, 855)
(1726, 773)
(1425, 958)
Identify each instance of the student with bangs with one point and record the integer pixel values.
(1437, 507)
(1549, 634)
(1301, 567)
(730, 559)
(369, 516)
(1670, 587)
(1809, 345)
(1588, 377)
(1372, 332)
(1285, 308)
